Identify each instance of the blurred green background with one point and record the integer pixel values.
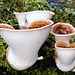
(46, 66)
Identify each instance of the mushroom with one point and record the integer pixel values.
(26, 18)
(63, 32)
(24, 45)
(65, 56)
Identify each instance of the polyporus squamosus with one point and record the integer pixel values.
(62, 28)
(26, 18)
(24, 45)
(65, 56)
(63, 32)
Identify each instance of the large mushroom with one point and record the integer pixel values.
(24, 45)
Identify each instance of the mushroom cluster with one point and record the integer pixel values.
(22, 54)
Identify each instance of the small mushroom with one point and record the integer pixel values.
(63, 32)
(65, 56)
(62, 29)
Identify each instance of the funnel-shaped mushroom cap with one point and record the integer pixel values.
(37, 15)
(24, 45)
(62, 29)
(65, 56)
(26, 18)
(63, 32)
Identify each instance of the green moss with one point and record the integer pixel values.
(47, 65)
(68, 3)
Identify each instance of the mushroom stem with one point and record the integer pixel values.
(40, 58)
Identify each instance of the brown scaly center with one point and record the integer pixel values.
(38, 24)
(63, 29)
(6, 26)
(64, 45)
